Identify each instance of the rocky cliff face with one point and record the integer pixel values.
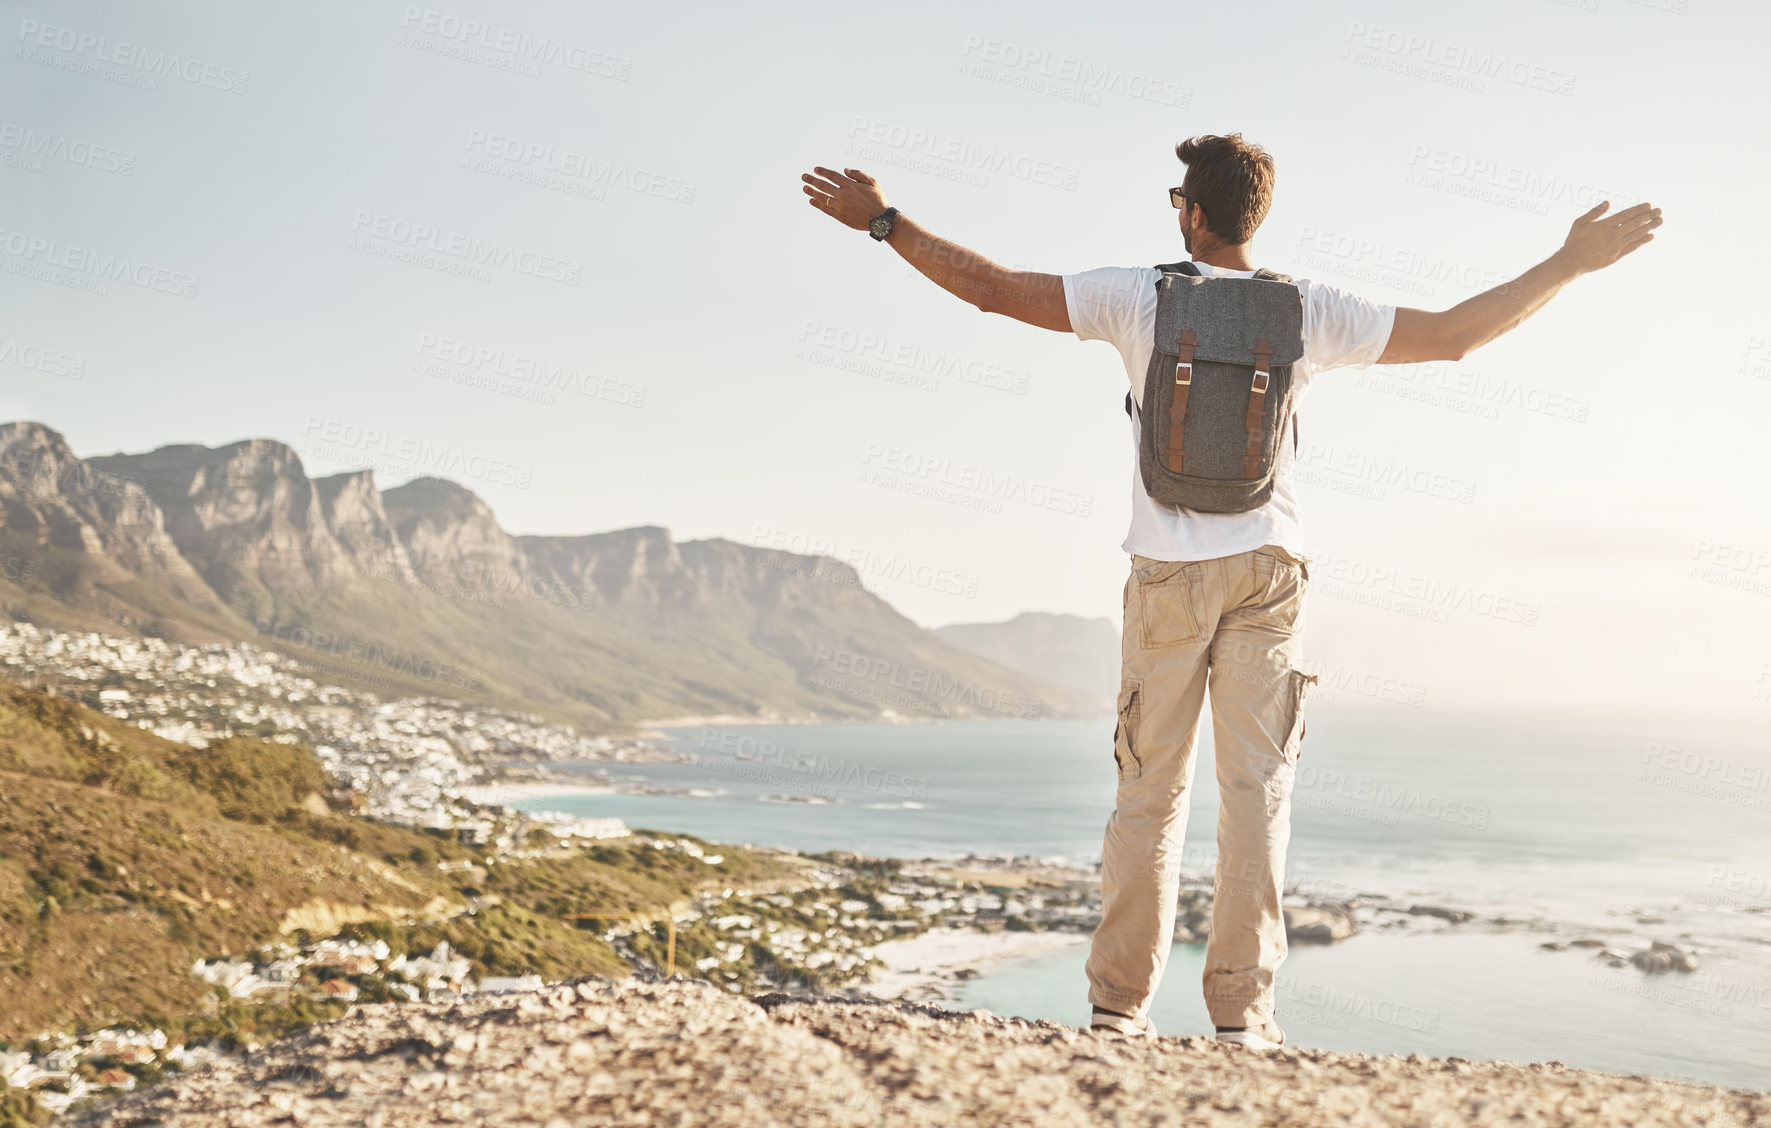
(53, 505)
(637, 570)
(358, 519)
(245, 515)
(603, 630)
(446, 528)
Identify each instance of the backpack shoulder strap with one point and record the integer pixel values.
(1272, 275)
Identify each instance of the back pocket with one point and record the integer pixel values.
(1168, 596)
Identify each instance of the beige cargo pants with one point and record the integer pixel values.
(1230, 624)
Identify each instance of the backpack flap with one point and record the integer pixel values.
(1229, 317)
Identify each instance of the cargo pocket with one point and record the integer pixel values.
(1297, 689)
(1167, 594)
(1125, 756)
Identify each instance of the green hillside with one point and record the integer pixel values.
(124, 858)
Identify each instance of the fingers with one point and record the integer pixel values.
(1638, 241)
(832, 175)
(1627, 214)
(860, 177)
(824, 186)
(1595, 212)
(1645, 221)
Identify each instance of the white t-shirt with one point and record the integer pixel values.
(1118, 304)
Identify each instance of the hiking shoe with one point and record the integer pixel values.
(1266, 1036)
(1122, 1024)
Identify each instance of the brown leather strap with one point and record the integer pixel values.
(1257, 401)
(1177, 412)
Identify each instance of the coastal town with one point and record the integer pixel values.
(403, 761)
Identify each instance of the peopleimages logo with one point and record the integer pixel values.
(554, 166)
(516, 47)
(50, 362)
(87, 269)
(466, 362)
(370, 653)
(964, 483)
(343, 441)
(78, 50)
(1426, 56)
(870, 139)
(379, 230)
(859, 675)
(1087, 81)
(32, 144)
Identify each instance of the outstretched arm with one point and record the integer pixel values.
(853, 198)
(1594, 242)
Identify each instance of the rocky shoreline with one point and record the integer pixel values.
(645, 1052)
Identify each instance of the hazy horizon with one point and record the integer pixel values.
(571, 243)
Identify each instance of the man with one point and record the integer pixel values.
(1213, 599)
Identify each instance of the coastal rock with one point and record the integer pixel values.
(1661, 958)
(1455, 916)
(1319, 924)
(1193, 916)
(637, 1052)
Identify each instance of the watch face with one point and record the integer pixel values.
(880, 227)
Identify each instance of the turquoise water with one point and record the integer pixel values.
(1627, 829)
(1485, 997)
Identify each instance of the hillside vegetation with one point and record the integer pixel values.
(124, 858)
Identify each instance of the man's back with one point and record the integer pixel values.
(1118, 305)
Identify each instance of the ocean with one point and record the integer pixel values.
(1621, 829)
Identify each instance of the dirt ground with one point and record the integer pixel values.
(630, 1052)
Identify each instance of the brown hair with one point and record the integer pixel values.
(1231, 179)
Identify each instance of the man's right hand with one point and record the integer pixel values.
(851, 196)
(1597, 240)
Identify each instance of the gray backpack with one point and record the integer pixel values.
(1218, 394)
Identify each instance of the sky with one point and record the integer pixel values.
(559, 253)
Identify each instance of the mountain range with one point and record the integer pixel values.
(1067, 649)
(418, 591)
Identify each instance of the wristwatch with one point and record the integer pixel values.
(880, 227)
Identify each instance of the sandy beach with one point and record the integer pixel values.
(926, 968)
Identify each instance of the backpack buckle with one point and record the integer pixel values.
(1263, 364)
(1185, 344)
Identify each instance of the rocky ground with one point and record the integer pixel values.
(679, 1052)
